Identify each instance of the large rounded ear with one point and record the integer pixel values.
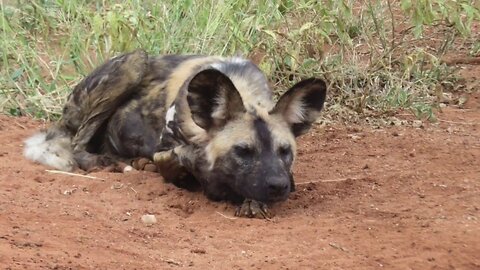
(300, 106)
(213, 99)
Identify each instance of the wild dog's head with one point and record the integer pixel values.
(249, 147)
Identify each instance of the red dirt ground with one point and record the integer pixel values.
(393, 198)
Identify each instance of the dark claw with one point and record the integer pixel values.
(253, 209)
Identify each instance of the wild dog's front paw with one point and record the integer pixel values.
(169, 166)
(253, 209)
(173, 172)
(163, 157)
(144, 164)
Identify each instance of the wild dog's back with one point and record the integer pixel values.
(134, 107)
(89, 105)
(137, 126)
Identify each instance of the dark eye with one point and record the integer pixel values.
(285, 151)
(243, 151)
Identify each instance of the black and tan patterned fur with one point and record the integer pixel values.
(207, 121)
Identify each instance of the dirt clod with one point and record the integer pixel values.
(199, 251)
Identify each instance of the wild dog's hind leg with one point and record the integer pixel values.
(90, 162)
(95, 99)
(99, 95)
(171, 165)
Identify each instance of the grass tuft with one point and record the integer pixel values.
(378, 56)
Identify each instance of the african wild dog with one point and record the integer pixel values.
(203, 120)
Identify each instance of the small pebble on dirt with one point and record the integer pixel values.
(149, 219)
(122, 167)
(117, 185)
(354, 137)
(69, 191)
(199, 251)
(417, 124)
(127, 168)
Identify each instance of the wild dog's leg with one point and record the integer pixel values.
(90, 162)
(169, 165)
(144, 164)
(95, 99)
(100, 94)
(172, 165)
(253, 209)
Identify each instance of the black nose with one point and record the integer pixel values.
(278, 188)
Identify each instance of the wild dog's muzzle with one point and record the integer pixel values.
(277, 188)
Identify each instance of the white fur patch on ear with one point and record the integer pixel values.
(221, 108)
(300, 106)
(295, 112)
(220, 112)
